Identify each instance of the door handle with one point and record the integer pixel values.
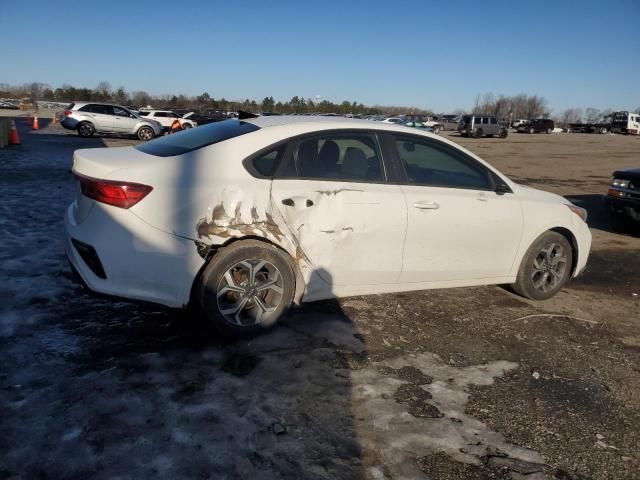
(426, 205)
(288, 202)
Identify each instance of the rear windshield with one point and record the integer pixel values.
(195, 138)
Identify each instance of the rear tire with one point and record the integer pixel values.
(503, 132)
(246, 288)
(549, 130)
(545, 268)
(186, 126)
(85, 129)
(531, 130)
(145, 134)
(477, 133)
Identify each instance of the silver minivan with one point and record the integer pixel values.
(88, 118)
(480, 126)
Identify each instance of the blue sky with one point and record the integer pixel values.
(420, 53)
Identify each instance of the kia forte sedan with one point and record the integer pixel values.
(245, 217)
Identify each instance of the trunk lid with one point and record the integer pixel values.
(102, 162)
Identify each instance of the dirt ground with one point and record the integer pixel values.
(470, 383)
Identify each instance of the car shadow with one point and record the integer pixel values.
(105, 388)
(599, 217)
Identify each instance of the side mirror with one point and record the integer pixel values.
(502, 188)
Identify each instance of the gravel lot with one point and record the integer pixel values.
(473, 383)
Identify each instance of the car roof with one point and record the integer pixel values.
(82, 104)
(316, 122)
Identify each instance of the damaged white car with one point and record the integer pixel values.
(247, 216)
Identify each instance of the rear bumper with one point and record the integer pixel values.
(69, 123)
(139, 261)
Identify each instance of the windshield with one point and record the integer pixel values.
(195, 138)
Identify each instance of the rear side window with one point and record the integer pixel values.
(195, 138)
(102, 109)
(86, 108)
(494, 121)
(265, 164)
(347, 157)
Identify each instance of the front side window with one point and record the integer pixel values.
(120, 112)
(348, 157)
(434, 164)
(494, 121)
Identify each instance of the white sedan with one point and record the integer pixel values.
(245, 217)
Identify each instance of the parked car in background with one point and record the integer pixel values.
(537, 125)
(416, 124)
(88, 118)
(427, 120)
(519, 122)
(393, 120)
(9, 106)
(245, 217)
(198, 118)
(167, 117)
(481, 126)
(447, 122)
(623, 199)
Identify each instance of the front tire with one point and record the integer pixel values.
(545, 267)
(86, 130)
(145, 134)
(503, 133)
(186, 126)
(246, 288)
(531, 130)
(477, 133)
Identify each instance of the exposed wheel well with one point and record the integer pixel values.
(208, 252)
(574, 245)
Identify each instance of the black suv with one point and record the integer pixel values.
(623, 199)
(537, 125)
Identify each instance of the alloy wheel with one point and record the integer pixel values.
(549, 267)
(250, 292)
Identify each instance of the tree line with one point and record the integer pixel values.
(506, 108)
(104, 92)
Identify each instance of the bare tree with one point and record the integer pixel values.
(592, 114)
(571, 115)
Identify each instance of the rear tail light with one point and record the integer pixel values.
(113, 192)
(67, 113)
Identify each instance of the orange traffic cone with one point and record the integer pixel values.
(35, 123)
(14, 138)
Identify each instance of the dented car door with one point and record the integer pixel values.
(332, 193)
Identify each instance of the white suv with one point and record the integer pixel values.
(166, 118)
(88, 118)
